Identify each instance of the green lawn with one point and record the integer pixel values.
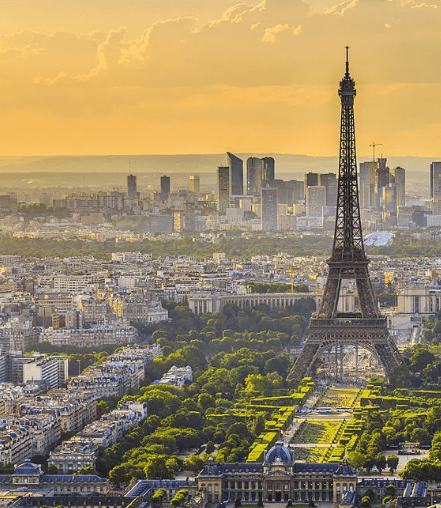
(309, 454)
(320, 432)
(338, 397)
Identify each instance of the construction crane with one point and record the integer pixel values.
(373, 148)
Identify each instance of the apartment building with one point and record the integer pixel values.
(16, 443)
(98, 336)
(81, 450)
(53, 370)
(176, 376)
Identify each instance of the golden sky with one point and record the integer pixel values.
(206, 76)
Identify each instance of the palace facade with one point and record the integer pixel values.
(279, 478)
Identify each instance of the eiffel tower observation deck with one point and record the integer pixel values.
(330, 330)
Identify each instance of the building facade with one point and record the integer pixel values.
(278, 479)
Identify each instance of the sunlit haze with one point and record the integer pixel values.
(168, 77)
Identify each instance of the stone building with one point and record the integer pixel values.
(278, 479)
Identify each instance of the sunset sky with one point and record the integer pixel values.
(206, 76)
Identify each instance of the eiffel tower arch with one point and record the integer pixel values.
(329, 328)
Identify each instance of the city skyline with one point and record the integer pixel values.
(157, 77)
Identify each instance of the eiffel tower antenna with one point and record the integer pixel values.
(330, 329)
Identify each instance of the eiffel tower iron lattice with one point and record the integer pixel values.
(330, 329)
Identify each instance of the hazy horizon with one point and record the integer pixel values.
(64, 174)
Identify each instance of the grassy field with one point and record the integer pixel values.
(321, 432)
(338, 397)
(309, 454)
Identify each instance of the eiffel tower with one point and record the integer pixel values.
(329, 329)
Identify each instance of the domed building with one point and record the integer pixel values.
(278, 479)
(278, 458)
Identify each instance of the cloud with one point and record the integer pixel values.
(262, 58)
(272, 34)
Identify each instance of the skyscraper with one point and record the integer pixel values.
(435, 180)
(382, 179)
(367, 183)
(269, 209)
(131, 187)
(258, 171)
(311, 179)
(223, 188)
(165, 187)
(195, 184)
(315, 200)
(400, 185)
(330, 182)
(269, 172)
(435, 187)
(254, 175)
(236, 174)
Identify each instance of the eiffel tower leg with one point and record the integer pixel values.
(341, 360)
(368, 305)
(305, 360)
(328, 307)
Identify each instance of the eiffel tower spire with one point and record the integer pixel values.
(328, 328)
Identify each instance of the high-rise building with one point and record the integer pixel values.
(165, 187)
(435, 187)
(258, 171)
(382, 179)
(131, 187)
(390, 198)
(400, 185)
(236, 174)
(330, 182)
(311, 180)
(269, 209)
(367, 183)
(195, 184)
(223, 188)
(254, 175)
(435, 180)
(269, 172)
(315, 200)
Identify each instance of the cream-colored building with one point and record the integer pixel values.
(419, 298)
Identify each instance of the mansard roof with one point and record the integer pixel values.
(218, 468)
(27, 468)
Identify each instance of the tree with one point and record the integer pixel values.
(102, 407)
(356, 459)
(392, 462)
(390, 490)
(386, 499)
(210, 447)
(421, 358)
(89, 470)
(179, 498)
(365, 502)
(380, 461)
(194, 463)
(156, 468)
(158, 497)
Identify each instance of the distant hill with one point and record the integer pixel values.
(86, 172)
(285, 163)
